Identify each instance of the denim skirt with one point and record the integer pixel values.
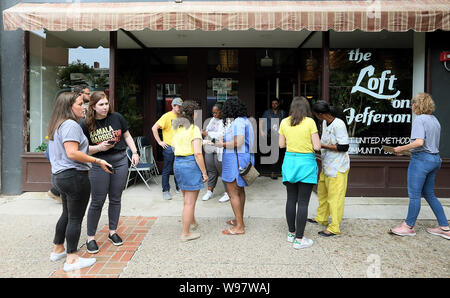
(187, 173)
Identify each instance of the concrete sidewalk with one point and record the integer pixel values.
(364, 249)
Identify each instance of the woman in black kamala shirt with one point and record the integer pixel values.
(108, 137)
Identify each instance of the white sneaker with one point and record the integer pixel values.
(207, 196)
(290, 237)
(81, 263)
(166, 195)
(303, 244)
(224, 198)
(56, 257)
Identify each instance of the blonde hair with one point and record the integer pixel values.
(424, 104)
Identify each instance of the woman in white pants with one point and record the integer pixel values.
(213, 155)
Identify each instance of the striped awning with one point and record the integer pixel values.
(370, 15)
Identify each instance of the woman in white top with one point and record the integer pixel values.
(332, 184)
(213, 155)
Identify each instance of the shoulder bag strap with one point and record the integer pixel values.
(237, 159)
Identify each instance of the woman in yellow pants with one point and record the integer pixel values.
(332, 184)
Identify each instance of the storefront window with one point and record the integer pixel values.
(130, 85)
(168, 60)
(223, 61)
(372, 87)
(56, 64)
(310, 73)
(220, 90)
(165, 94)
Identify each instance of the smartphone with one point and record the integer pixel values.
(111, 169)
(111, 142)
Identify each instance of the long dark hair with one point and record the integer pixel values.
(323, 107)
(62, 111)
(90, 115)
(299, 109)
(233, 108)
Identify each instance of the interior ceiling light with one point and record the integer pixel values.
(266, 61)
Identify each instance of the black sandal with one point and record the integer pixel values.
(312, 221)
(323, 234)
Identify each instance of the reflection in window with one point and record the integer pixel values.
(310, 74)
(220, 90)
(165, 93)
(168, 60)
(373, 87)
(223, 61)
(130, 89)
(54, 69)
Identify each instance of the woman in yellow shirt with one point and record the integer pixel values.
(298, 133)
(189, 166)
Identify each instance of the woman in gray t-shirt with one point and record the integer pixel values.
(68, 155)
(424, 164)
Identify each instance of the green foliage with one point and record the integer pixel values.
(42, 147)
(74, 67)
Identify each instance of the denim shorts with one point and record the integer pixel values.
(187, 173)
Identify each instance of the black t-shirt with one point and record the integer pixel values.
(111, 128)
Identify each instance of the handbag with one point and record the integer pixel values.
(249, 173)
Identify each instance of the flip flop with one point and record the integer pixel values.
(231, 222)
(230, 232)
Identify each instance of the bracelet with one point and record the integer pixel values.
(134, 153)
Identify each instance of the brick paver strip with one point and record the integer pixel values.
(111, 260)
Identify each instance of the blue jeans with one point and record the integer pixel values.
(169, 157)
(421, 173)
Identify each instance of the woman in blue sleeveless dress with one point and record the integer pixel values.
(238, 143)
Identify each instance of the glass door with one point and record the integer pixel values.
(163, 91)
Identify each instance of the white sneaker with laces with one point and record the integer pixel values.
(224, 198)
(81, 263)
(303, 244)
(207, 196)
(166, 195)
(290, 237)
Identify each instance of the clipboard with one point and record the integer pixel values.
(391, 150)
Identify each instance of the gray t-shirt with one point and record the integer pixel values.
(69, 131)
(426, 127)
